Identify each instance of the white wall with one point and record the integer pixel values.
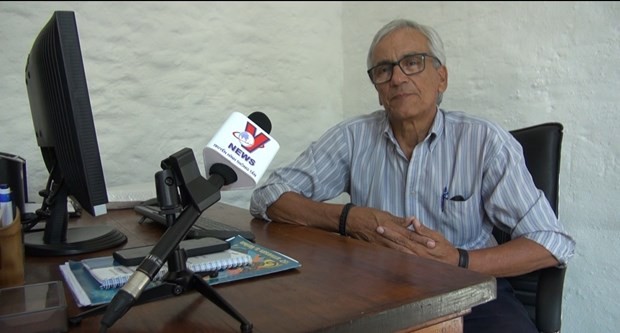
(163, 76)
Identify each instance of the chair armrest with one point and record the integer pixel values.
(549, 299)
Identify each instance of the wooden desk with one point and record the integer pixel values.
(344, 285)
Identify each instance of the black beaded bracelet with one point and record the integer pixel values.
(342, 226)
(463, 258)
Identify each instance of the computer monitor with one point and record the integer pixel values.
(65, 132)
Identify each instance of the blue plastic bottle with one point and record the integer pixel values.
(7, 204)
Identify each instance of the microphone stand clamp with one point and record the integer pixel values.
(180, 171)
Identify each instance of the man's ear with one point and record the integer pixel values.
(443, 78)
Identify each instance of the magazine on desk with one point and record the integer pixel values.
(87, 291)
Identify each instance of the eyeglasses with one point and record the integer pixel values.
(410, 64)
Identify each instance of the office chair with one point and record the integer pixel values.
(541, 291)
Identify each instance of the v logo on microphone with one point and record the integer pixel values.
(249, 140)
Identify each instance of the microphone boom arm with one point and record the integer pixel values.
(197, 194)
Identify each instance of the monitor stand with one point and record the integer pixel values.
(78, 240)
(58, 240)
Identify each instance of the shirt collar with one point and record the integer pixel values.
(435, 131)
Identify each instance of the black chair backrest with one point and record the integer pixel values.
(541, 148)
(541, 291)
(542, 145)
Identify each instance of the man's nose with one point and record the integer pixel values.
(398, 76)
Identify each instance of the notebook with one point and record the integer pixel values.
(111, 274)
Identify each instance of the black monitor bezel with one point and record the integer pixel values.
(65, 131)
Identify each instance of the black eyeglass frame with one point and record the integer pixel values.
(393, 64)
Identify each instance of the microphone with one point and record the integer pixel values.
(236, 157)
(244, 145)
(199, 194)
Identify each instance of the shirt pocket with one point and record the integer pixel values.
(461, 214)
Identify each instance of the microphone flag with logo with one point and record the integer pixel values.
(244, 144)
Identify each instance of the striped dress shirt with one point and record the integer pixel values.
(467, 176)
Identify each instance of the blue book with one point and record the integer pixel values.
(87, 291)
